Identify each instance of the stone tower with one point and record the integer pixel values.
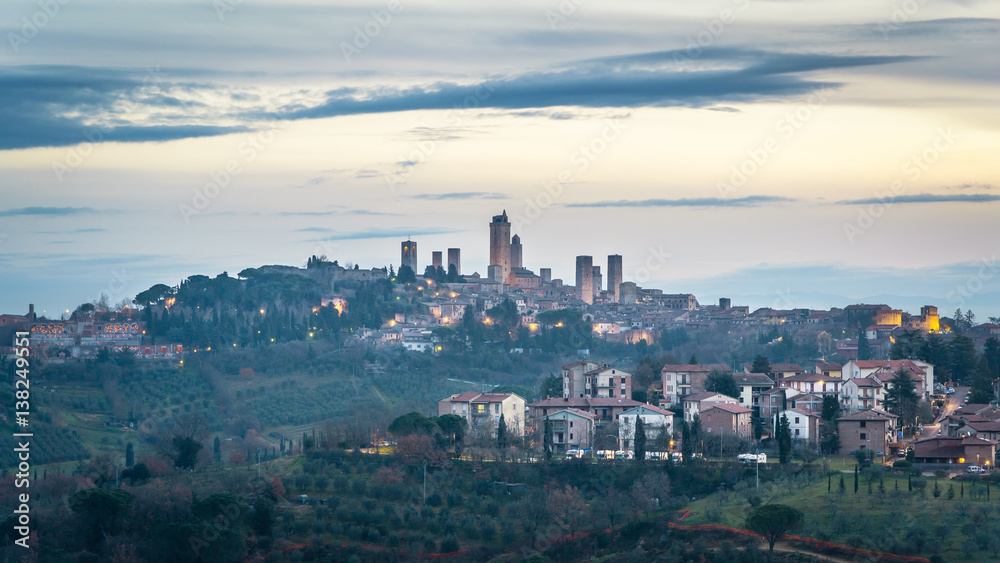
(598, 281)
(585, 278)
(436, 259)
(515, 252)
(455, 257)
(500, 244)
(408, 255)
(614, 275)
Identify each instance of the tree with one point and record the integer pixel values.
(693, 360)
(901, 397)
(784, 441)
(756, 423)
(695, 429)
(186, 451)
(406, 275)
(454, 427)
(687, 448)
(760, 365)
(547, 439)
(412, 423)
(722, 381)
(263, 517)
(639, 442)
(101, 511)
(829, 435)
(217, 449)
(552, 386)
(864, 348)
(503, 434)
(129, 455)
(982, 383)
(962, 353)
(774, 521)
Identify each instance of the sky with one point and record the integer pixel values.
(784, 154)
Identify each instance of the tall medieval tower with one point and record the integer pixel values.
(500, 244)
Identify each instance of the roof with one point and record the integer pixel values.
(804, 413)
(865, 382)
(829, 367)
(606, 368)
(729, 407)
(695, 367)
(651, 408)
(894, 365)
(812, 377)
(476, 397)
(579, 363)
(698, 397)
(971, 408)
(947, 447)
(584, 402)
(785, 367)
(987, 426)
(752, 379)
(572, 411)
(871, 414)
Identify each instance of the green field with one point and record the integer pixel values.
(890, 519)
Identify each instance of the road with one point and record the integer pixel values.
(954, 403)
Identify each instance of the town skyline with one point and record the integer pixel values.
(834, 152)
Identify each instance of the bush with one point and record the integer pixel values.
(901, 464)
(449, 545)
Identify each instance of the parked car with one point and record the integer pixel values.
(950, 391)
(976, 469)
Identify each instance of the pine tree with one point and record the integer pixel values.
(864, 348)
(129, 455)
(901, 397)
(502, 435)
(856, 471)
(784, 441)
(547, 438)
(639, 442)
(686, 446)
(217, 448)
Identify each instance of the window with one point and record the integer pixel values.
(796, 422)
(863, 436)
(570, 435)
(480, 409)
(863, 423)
(571, 424)
(796, 431)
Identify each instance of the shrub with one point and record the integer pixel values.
(901, 464)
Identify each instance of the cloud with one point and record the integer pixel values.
(927, 198)
(749, 201)
(54, 106)
(652, 79)
(54, 211)
(460, 195)
(383, 233)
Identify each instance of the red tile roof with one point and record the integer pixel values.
(729, 407)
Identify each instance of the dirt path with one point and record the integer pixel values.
(783, 546)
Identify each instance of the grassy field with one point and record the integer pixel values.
(889, 519)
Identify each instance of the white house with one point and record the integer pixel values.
(572, 429)
(861, 393)
(654, 420)
(802, 425)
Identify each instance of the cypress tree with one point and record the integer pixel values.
(855, 479)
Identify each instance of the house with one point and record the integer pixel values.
(654, 420)
(779, 371)
(867, 368)
(727, 418)
(680, 380)
(574, 380)
(812, 383)
(607, 381)
(885, 377)
(483, 410)
(868, 430)
(803, 425)
(751, 386)
(988, 429)
(775, 400)
(861, 393)
(572, 429)
(605, 410)
(806, 402)
(697, 402)
(830, 370)
(969, 450)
